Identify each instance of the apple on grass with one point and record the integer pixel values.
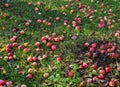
(37, 44)
(53, 47)
(2, 82)
(112, 83)
(9, 83)
(101, 71)
(100, 76)
(29, 76)
(118, 68)
(49, 44)
(85, 65)
(71, 73)
(107, 69)
(86, 44)
(59, 59)
(6, 5)
(26, 50)
(45, 75)
(29, 59)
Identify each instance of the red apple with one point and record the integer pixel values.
(15, 44)
(74, 25)
(61, 38)
(57, 39)
(29, 76)
(49, 23)
(26, 50)
(49, 44)
(63, 7)
(29, 20)
(10, 54)
(85, 65)
(73, 22)
(44, 56)
(6, 5)
(8, 50)
(70, 0)
(39, 21)
(78, 27)
(53, 35)
(20, 47)
(72, 11)
(77, 0)
(89, 80)
(37, 49)
(45, 9)
(108, 50)
(113, 48)
(8, 45)
(94, 45)
(2, 82)
(86, 44)
(9, 83)
(110, 44)
(59, 59)
(15, 37)
(118, 68)
(88, 54)
(34, 63)
(57, 18)
(79, 21)
(80, 6)
(95, 78)
(66, 21)
(44, 21)
(112, 83)
(35, 58)
(100, 76)
(103, 51)
(102, 47)
(101, 71)
(71, 73)
(44, 41)
(113, 55)
(40, 3)
(27, 24)
(29, 59)
(1, 86)
(14, 30)
(92, 49)
(43, 38)
(117, 34)
(37, 44)
(12, 40)
(100, 26)
(72, 4)
(94, 66)
(53, 47)
(50, 39)
(10, 57)
(107, 69)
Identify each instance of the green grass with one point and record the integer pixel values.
(19, 12)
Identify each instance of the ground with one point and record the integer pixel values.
(59, 43)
